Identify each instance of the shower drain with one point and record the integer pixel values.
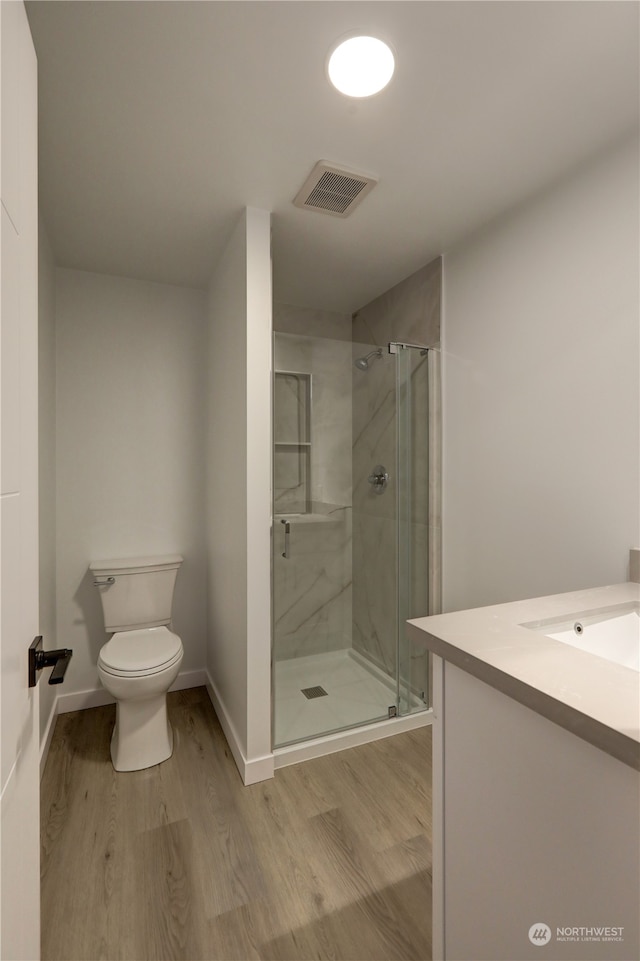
(314, 692)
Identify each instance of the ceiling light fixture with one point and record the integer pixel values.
(361, 66)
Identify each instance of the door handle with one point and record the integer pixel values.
(39, 659)
(287, 531)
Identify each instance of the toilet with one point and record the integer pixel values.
(142, 659)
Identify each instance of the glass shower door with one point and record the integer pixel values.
(320, 684)
(349, 533)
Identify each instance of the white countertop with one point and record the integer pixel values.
(594, 698)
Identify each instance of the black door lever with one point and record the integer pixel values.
(39, 659)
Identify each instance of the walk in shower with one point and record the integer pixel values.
(353, 489)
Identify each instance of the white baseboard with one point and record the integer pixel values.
(98, 697)
(251, 771)
(331, 743)
(187, 679)
(45, 742)
(82, 700)
(259, 769)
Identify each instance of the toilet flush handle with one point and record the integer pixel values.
(105, 583)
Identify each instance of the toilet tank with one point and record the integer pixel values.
(136, 592)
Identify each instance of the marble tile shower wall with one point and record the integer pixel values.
(409, 312)
(312, 586)
(329, 364)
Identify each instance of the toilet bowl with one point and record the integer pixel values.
(142, 735)
(142, 658)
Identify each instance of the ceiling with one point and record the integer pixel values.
(160, 121)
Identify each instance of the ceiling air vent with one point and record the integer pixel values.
(333, 190)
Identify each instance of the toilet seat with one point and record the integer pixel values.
(140, 653)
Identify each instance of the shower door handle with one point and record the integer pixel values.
(287, 531)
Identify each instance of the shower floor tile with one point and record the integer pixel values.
(354, 696)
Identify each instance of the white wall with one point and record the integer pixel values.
(130, 428)
(239, 493)
(541, 387)
(47, 464)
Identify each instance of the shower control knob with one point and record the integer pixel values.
(379, 478)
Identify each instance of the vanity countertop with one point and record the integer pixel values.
(594, 698)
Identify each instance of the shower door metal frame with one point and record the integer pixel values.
(404, 572)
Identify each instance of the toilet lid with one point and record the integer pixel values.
(145, 651)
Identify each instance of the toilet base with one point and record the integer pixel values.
(143, 735)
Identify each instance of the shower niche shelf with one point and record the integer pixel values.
(292, 441)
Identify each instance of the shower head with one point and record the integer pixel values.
(362, 363)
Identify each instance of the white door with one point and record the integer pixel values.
(19, 733)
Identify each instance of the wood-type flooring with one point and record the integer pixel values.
(329, 860)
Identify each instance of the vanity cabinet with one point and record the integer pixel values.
(536, 802)
(535, 826)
